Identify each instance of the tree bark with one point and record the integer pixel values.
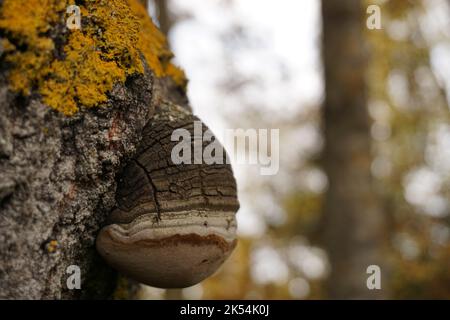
(57, 185)
(352, 220)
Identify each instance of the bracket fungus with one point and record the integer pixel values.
(174, 224)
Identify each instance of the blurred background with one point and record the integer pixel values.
(364, 142)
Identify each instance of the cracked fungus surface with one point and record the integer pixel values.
(78, 68)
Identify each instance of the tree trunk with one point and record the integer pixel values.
(57, 171)
(352, 220)
(144, 3)
(164, 18)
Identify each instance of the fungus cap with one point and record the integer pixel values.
(174, 224)
(177, 251)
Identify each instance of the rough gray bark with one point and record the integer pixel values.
(57, 185)
(353, 222)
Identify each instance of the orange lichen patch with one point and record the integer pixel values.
(177, 75)
(153, 45)
(116, 32)
(52, 246)
(83, 76)
(27, 20)
(105, 51)
(6, 46)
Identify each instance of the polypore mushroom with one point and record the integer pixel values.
(174, 224)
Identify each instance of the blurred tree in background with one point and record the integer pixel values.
(353, 223)
(370, 187)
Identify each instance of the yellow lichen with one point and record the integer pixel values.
(105, 51)
(52, 246)
(153, 46)
(29, 19)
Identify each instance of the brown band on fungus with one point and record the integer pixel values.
(192, 239)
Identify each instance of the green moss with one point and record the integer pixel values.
(106, 51)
